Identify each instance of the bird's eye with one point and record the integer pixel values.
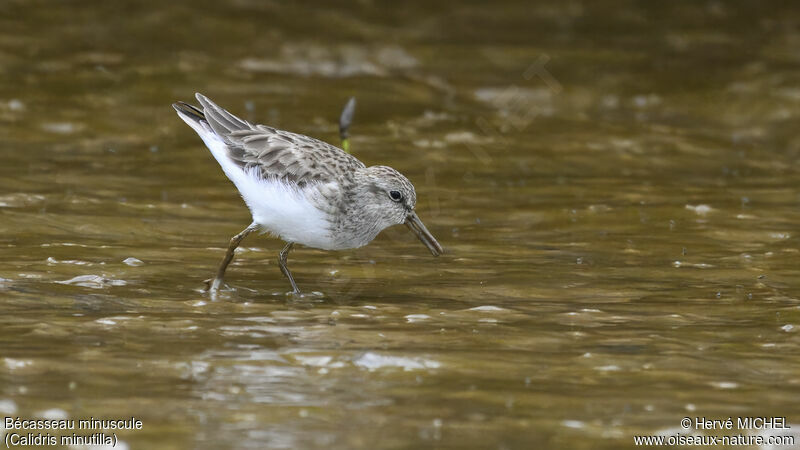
(396, 195)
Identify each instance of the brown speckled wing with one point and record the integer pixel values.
(276, 153)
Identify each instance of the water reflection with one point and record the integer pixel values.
(614, 184)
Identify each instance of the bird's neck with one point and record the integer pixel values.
(363, 218)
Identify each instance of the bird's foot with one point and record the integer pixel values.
(214, 284)
(314, 296)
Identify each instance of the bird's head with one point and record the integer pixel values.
(394, 197)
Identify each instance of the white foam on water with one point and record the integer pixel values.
(53, 414)
(7, 406)
(417, 317)
(92, 281)
(14, 364)
(577, 424)
(133, 262)
(701, 210)
(373, 361)
(488, 308)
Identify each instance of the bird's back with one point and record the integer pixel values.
(276, 153)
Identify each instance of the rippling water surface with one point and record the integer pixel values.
(615, 184)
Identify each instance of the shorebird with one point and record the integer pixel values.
(301, 189)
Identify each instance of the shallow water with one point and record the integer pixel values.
(614, 183)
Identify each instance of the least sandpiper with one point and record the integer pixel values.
(302, 190)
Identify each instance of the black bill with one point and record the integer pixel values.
(416, 225)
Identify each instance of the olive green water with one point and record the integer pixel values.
(615, 184)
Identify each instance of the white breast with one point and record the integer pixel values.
(283, 210)
(279, 207)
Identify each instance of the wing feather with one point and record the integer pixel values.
(276, 153)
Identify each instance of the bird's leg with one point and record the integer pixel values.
(282, 262)
(235, 241)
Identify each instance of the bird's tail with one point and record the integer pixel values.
(189, 113)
